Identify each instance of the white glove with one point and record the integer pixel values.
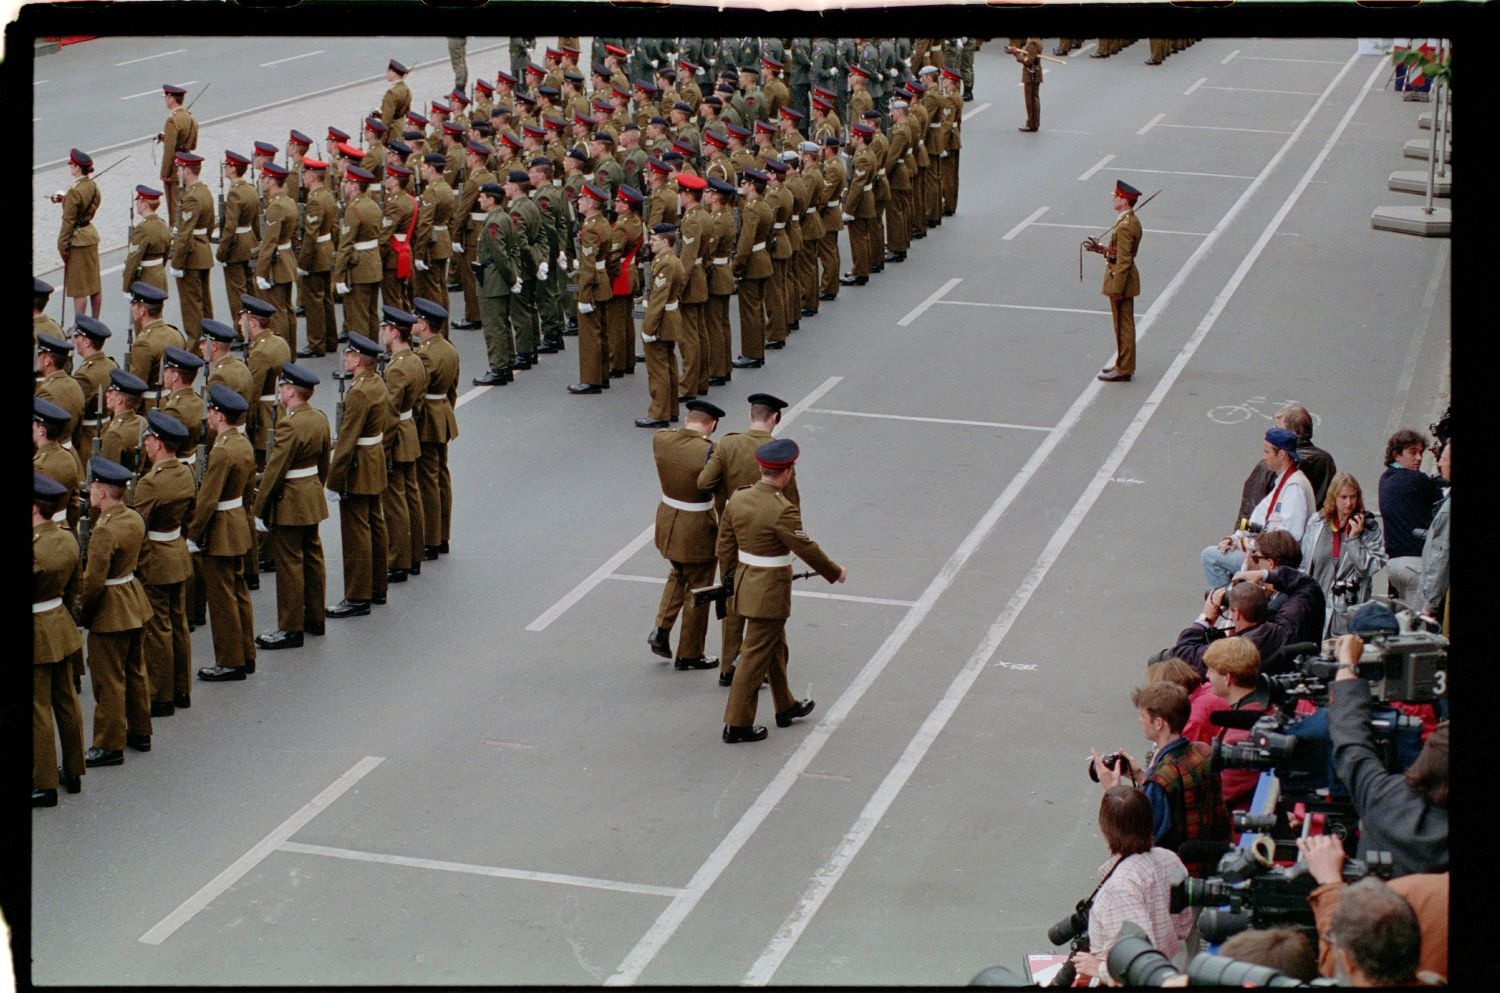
(542, 270)
(942, 155)
(263, 282)
(585, 308)
(193, 546)
(848, 217)
(516, 286)
(458, 247)
(421, 266)
(562, 260)
(303, 273)
(178, 273)
(892, 71)
(343, 289)
(260, 526)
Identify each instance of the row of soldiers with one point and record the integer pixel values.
(193, 479)
(1160, 48)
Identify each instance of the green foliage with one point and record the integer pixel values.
(1412, 58)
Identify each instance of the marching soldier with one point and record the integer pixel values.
(593, 293)
(357, 269)
(56, 385)
(240, 228)
(397, 226)
(112, 605)
(219, 532)
(55, 645)
(401, 502)
(686, 533)
(357, 473)
(397, 100)
(315, 255)
(661, 328)
(275, 262)
(120, 439)
(436, 425)
(753, 267)
(150, 243)
(163, 497)
(78, 239)
(179, 134)
(92, 377)
(290, 507)
(191, 257)
(1122, 281)
(432, 244)
(731, 466)
(496, 267)
(49, 422)
(759, 533)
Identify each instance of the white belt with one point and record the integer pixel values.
(810, 210)
(171, 535)
(244, 229)
(880, 172)
(68, 445)
(405, 415)
(440, 227)
(151, 263)
(324, 237)
(42, 606)
(120, 580)
(399, 237)
(698, 260)
(191, 459)
(778, 225)
(765, 561)
(759, 246)
(723, 260)
(205, 230)
(151, 395)
(931, 126)
(285, 246)
(370, 439)
(599, 266)
(366, 246)
(234, 504)
(303, 473)
(92, 423)
(268, 398)
(671, 306)
(61, 517)
(478, 217)
(684, 505)
(436, 396)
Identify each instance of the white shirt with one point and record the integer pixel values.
(1294, 506)
(1140, 891)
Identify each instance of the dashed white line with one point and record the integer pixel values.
(808, 594)
(1247, 89)
(1022, 306)
(1179, 172)
(1225, 60)
(1189, 91)
(1151, 123)
(1272, 58)
(155, 92)
(1097, 166)
(1093, 227)
(1214, 127)
(921, 308)
(148, 58)
(933, 420)
(1009, 235)
(291, 58)
(977, 110)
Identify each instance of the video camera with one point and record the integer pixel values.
(1410, 667)
(1134, 961)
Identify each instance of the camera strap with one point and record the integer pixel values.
(1088, 903)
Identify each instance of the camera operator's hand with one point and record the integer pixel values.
(1258, 576)
(1349, 648)
(1324, 855)
(1356, 525)
(1087, 963)
(1108, 778)
(1213, 605)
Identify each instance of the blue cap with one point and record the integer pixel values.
(712, 410)
(179, 358)
(256, 306)
(757, 175)
(718, 184)
(142, 292)
(778, 454)
(494, 190)
(45, 410)
(1284, 440)
(359, 343)
(221, 397)
(109, 471)
(47, 343)
(397, 316)
(167, 428)
(217, 330)
(126, 382)
(429, 311)
(41, 288)
(46, 489)
(1373, 618)
(518, 176)
(663, 228)
(295, 374)
(91, 327)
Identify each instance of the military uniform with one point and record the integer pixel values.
(626, 241)
(432, 244)
(315, 255)
(113, 607)
(291, 504)
(1030, 58)
(238, 235)
(833, 224)
(660, 329)
(753, 268)
(397, 227)
(61, 389)
(697, 238)
(498, 252)
(192, 257)
(406, 381)
(859, 203)
(470, 218)
(720, 289)
(55, 644)
(151, 342)
(524, 319)
(150, 243)
(686, 532)
(553, 210)
(60, 464)
(78, 239)
(92, 377)
(592, 295)
(1122, 284)
(178, 134)
(163, 497)
(358, 263)
(276, 264)
(436, 428)
(220, 528)
(357, 473)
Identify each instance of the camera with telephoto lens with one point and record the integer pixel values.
(1409, 667)
(1110, 761)
(1134, 961)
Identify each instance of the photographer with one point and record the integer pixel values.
(1342, 550)
(1405, 814)
(1233, 666)
(1137, 883)
(1426, 893)
(1179, 782)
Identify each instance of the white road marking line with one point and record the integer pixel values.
(827, 876)
(112, 270)
(933, 420)
(975, 111)
(148, 58)
(1214, 127)
(1270, 58)
(40, 82)
(471, 394)
(1023, 306)
(1151, 123)
(1009, 235)
(498, 872)
(216, 886)
(1225, 60)
(921, 308)
(810, 594)
(1413, 350)
(640, 541)
(156, 91)
(1246, 89)
(291, 58)
(1094, 227)
(1097, 166)
(1178, 172)
(1189, 91)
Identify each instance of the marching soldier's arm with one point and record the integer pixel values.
(728, 546)
(789, 530)
(711, 476)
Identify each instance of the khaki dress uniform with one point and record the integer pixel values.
(357, 473)
(358, 264)
(163, 497)
(953, 121)
(192, 257)
(114, 609)
(437, 426)
(396, 104)
(696, 240)
(752, 265)
(937, 150)
(469, 219)
(61, 389)
(524, 319)
(276, 263)
(780, 199)
(291, 504)
(797, 186)
(396, 228)
(151, 343)
(732, 466)
(920, 166)
(498, 250)
(1122, 284)
(660, 330)
(433, 241)
(812, 236)
(187, 406)
(178, 134)
(686, 533)
(43, 324)
(146, 262)
(238, 238)
(553, 209)
(78, 239)
(859, 202)
(315, 260)
(220, 528)
(898, 209)
(592, 295)
(55, 645)
(1031, 81)
(760, 530)
(720, 289)
(406, 381)
(829, 256)
(92, 377)
(233, 373)
(626, 241)
(120, 440)
(61, 465)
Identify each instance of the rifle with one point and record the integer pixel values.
(270, 447)
(83, 518)
(223, 219)
(338, 417)
(1091, 243)
(136, 463)
(719, 595)
(199, 96)
(201, 463)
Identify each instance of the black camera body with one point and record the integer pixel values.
(1110, 761)
(1260, 895)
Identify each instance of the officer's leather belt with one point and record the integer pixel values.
(120, 580)
(61, 517)
(302, 473)
(42, 606)
(243, 229)
(405, 415)
(369, 439)
(684, 505)
(765, 561)
(366, 246)
(324, 237)
(151, 263)
(171, 535)
(234, 504)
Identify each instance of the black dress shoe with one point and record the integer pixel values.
(443, 548)
(415, 569)
(657, 641)
(182, 701)
(249, 667)
(430, 553)
(585, 389)
(807, 312)
(492, 377)
(878, 267)
(918, 235)
(825, 296)
(44, 798)
(617, 374)
(647, 422)
(895, 256)
(316, 630)
(794, 326)
(73, 784)
(521, 363)
(639, 358)
(96, 757)
(396, 576)
(748, 732)
(1024, 128)
(140, 742)
(571, 328)
(744, 363)
(223, 674)
(1113, 376)
(308, 353)
(465, 325)
(968, 95)
(775, 344)
(163, 708)
(685, 397)
(1153, 62)
(378, 599)
(701, 662)
(718, 381)
(252, 581)
(727, 678)
(267, 566)
(279, 639)
(853, 280)
(950, 213)
(546, 348)
(801, 708)
(349, 608)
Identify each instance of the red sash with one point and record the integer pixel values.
(403, 248)
(620, 285)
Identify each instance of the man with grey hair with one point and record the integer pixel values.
(1317, 465)
(1375, 937)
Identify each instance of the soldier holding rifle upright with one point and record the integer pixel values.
(178, 134)
(1122, 283)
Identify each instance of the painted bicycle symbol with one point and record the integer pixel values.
(1234, 413)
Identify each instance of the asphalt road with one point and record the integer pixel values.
(491, 780)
